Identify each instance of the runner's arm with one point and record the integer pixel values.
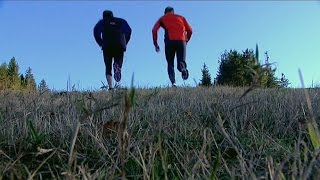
(188, 29)
(97, 31)
(127, 30)
(155, 33)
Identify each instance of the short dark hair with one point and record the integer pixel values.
(107, 14)
(168, 9)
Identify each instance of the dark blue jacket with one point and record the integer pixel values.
(107, 38)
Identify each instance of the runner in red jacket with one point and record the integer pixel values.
(177, 33)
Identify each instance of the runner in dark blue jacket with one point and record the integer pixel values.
(112, 34)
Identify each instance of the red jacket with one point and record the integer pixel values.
(176, 28)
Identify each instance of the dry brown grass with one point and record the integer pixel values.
(165, 133)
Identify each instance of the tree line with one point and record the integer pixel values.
(235, 69)
(244, 69)
(12, 79)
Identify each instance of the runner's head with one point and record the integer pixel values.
(169, 9)
(107, 14)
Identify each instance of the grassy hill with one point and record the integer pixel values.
(160, 133)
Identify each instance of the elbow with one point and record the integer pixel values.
(154, 31)
(129, 30)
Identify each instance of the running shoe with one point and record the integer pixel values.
(184, 71)
(174, 85)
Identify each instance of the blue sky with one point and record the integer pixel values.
(55, 38)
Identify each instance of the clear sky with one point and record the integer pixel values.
(55, 38)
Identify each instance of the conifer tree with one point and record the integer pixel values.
(284, 82)
(13, 73)
(4, 80)
(30, 81)
(43, 86)
(243, 69)
(23, 81)
(206, 76)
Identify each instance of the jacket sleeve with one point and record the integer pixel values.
(188, 29)
(127, 30)
(155, 32)
(97, 32)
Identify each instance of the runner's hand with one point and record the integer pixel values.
(157, 48)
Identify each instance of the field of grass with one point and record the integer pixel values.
(160, 133)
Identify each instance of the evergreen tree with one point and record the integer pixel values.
(13, 73)
(206, 77)
(43, 86)
(23, 81)
(10, 78)
(268, 78)
(284, 82)
(234, 69)
(244, 69)
(30, 81)
(4, 80)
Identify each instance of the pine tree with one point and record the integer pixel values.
(243, 69)
(10, 78)
(23, 81)
(43, 86)
(206, 77)
(236, 68)
(267, 77)
(284, 82)
(30, 81)
(4, 80)
(13, 73)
